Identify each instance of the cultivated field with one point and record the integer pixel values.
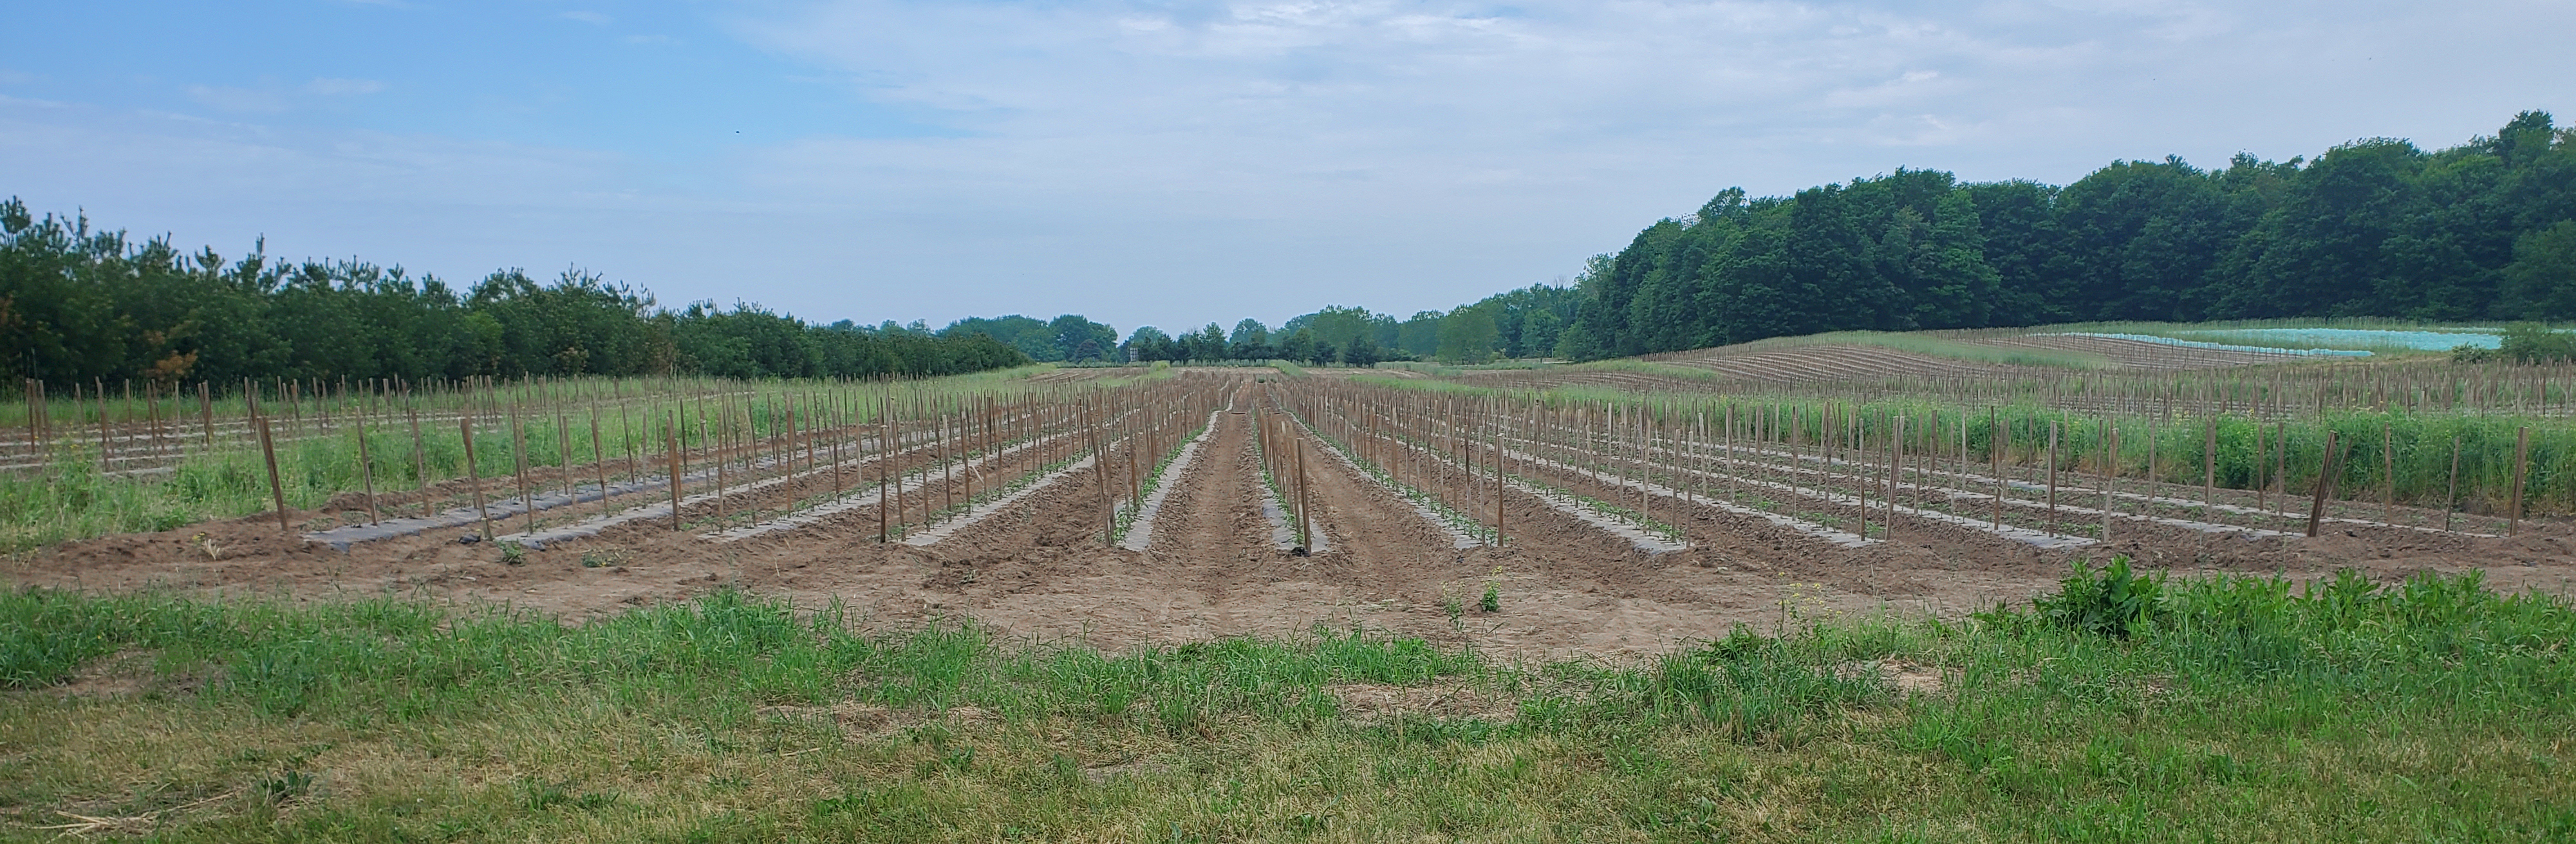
(1617, 509)
(1802, 592)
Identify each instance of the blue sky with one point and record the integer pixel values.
(1167, 163)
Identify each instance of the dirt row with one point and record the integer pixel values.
(1039, 569)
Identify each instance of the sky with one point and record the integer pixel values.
(1163, 163)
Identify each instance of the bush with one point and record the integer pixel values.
(2112, 602)
(2535, 344)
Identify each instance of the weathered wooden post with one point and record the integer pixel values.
(474, 473)
(2521, 464)
(276, 487)
(2326, 465)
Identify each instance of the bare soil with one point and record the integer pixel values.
(1041, 572)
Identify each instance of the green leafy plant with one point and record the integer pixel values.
(513, 553)
(2112, 601)
(1493, 600)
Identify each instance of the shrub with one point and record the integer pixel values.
(2112, 602)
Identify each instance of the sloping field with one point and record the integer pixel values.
(2143, 354)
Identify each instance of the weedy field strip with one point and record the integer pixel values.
(1140, 529)
(2082, 487)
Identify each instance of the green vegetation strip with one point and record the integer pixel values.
(2120, 709)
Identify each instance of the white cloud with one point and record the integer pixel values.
(1111, 157)
(343, 87)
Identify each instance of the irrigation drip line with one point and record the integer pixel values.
(978, 513)
(1459, 537)
(1967, 492)
(867, 497)
(1646, 539)
(343, 537)
(1836, 536)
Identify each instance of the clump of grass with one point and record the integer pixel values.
(2219, 705)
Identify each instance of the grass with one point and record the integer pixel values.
(2219, 709)
(2422, 440)
(69, 498)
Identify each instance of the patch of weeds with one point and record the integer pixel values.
(513, 553)
(2112, 602)
(1493, 600)
(286, 787)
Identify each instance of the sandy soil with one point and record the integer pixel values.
(1040, 571)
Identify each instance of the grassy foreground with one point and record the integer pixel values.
(2122, 709)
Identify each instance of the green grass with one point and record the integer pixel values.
(2225, 709)
(71, 499)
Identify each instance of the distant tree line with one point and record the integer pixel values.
(1514, 324)
(2378, 227)
(1068, 338)
(78, 303)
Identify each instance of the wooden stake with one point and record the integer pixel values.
(2388, 474)
(671, 449)
(276, 487)
(1996, 439)
(2110, 478)
(519, 453)
(2326, 464)
(367, 472)
(2451, 496)
(2209, 461)
(2521, 465)
(2052, 477)
(1305, 519)
(474, 473)
(1895, 470)
(599, 461)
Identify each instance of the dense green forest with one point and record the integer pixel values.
(78, 303)
(1518, 323)
(2377, 227)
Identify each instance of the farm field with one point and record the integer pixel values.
(1056, 603)
(1166, 505)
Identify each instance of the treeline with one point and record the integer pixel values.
(1519, 323)
(78, 303)
(2378, 227)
